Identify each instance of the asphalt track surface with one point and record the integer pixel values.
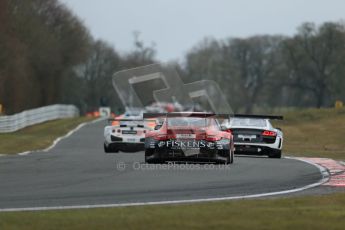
(78, 172)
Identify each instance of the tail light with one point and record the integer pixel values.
(213, 138)
(269, 133)
(161, 137)
(151, 124)
(115, 123)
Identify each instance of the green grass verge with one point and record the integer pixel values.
(314, 133)
(317, 212)
(37, 136)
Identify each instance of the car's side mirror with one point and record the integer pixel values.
(157, 127)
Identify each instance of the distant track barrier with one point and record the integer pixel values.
(35, 116)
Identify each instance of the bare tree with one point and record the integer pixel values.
(141, 55)
(314, 57)
(256, 60)
(96, 74)
(41, 41)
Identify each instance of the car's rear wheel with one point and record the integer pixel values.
(106, 148)
(148, 153)
(114, 149)
(275, 154)
(225, 157)
(230, 158)
(110, 148)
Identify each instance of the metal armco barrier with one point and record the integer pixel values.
(35, 116)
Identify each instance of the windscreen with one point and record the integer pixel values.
(248, 122)
(191, 122)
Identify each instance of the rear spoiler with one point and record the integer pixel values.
(271, 117)
(114, 119)
(184, 114)
(200, 114)
(129, 120)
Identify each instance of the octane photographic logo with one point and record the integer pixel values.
(159, 83)
(171, 166)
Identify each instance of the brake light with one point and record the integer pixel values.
(161, 137)
(269, 133)
(213, 138)
(151, 124)
(115, 123)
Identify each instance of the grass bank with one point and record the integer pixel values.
(317, 212)
(314, 133)
(37, 136)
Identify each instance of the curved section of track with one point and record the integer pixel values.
(77, 172)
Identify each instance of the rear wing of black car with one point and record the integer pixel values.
(270, 117)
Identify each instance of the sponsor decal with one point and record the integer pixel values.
(210, 145)
(220, 147)
(190, 144)
(161, 144)
(184, 144)
(221, 143)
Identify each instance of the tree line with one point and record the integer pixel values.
(48, 56)
(304, 70)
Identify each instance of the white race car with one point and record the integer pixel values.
(126, 133)
(255, 135)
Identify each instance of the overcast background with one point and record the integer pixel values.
(176, 26)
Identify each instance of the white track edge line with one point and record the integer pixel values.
(324, 179)
(56, 141)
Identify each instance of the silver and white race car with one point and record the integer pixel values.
(255, 135)
(126, 133)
